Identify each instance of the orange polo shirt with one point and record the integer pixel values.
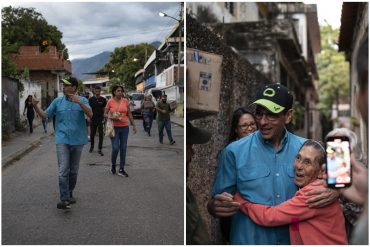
(121, 106)
(307, 225)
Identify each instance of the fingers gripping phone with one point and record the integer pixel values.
(338, 166)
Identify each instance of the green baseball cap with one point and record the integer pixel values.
(70, 81)
(275, 98)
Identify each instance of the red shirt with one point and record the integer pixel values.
(307, 225)
(122, 107)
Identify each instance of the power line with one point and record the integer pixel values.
(169, 22)
(116, 36)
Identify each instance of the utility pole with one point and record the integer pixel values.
(179, 53)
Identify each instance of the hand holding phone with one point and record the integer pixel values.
(338, 165)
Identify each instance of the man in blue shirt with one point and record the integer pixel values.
(70, 136)
(260, 168)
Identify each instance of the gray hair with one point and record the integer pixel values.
(319, 147)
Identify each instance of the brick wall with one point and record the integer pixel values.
(240, 82)
(48, 85)
(44, 68)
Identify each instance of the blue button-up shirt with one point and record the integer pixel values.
(70, 123)
(262, 175)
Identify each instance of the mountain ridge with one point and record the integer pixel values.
(81, 66)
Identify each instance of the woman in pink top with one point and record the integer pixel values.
(307, 225)
(117, 109)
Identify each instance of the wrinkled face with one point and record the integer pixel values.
(246, 125)
(272, 125)
(306, 166)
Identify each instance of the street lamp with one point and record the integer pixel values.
(162, 14)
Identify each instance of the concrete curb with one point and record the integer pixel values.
(17, 155)
(179, 124)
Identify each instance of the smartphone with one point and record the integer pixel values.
(338, 165)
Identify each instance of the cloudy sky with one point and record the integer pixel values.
(328, 11)
(90, 28)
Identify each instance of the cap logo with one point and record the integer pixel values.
(65, 81)
(269, 92)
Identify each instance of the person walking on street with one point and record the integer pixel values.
(30, 112)
(70, 136)
(117, 109)
(45, 122)
(147, 109)
(163, 119)
(97, 104)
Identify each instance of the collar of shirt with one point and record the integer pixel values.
(283, 140)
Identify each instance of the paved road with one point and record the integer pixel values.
(146, 208)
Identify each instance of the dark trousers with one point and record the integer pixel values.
(99, 126)
(147, 121)
(30, 121)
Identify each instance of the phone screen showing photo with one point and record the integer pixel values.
(338, 162)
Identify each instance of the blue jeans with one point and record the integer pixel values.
(161, 126)
(68, 163)
(147, 121)
(119, 144)
(45, 124)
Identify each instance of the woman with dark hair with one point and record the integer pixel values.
(30, 112)
(311, 226)
(243, 123)
(117, 109)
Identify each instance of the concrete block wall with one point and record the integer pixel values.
(240, 82)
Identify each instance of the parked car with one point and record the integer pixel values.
(136, 99)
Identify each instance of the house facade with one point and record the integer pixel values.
(280, 40)
(47, 68)
(354, 28)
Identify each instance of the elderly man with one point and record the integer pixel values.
(70, 136)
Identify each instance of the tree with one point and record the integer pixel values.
(25, 26)
(333, 71)
(125, 62)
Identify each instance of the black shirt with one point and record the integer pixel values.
(97, 106)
